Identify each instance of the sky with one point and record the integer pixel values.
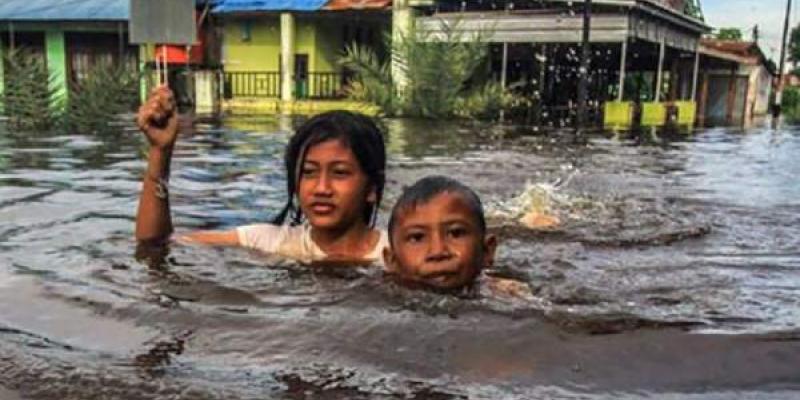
(745, 14)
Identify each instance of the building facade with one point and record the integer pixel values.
(72, 37)
(736, 82)
(289, 50)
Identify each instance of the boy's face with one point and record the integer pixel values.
(439, 243)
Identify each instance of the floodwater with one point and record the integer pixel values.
(675, 272)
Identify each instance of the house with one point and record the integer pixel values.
(736, 83)
(72, 36)
(287, 50)
(643, 51)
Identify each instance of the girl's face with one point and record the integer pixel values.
(333, 189)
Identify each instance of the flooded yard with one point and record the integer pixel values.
(675, 272)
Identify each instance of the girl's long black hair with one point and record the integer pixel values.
(356, 131)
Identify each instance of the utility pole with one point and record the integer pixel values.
(776, 108)
(583, 84)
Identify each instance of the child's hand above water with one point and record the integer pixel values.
(158, 118)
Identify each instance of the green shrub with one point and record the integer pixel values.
(107, 92)
(443, 76)
(30, 99)
(791, 98)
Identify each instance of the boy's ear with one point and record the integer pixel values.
(389, 260)
(489, 248)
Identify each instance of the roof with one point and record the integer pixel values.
(229, 6)
(358, 4)
(64, 10)
(742, 52)
(236, 6)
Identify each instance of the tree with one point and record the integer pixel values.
(446, 76)
(794, 47)
(693, 9)
(730, 34)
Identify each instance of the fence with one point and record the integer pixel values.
(252, 84)
(320, 85)
(311, 85)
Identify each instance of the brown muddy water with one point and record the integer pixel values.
(675, 274)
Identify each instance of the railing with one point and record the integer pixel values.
(253, 84)
(320, 85)
(311, 85)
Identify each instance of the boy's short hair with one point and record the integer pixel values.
(429, 187)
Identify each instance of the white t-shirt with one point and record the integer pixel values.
(295, 242)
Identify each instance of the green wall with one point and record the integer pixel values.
(57, 61)
(55, 46)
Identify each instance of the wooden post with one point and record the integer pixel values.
(701, 108)
(504, 63)
(731, 96)
(776, 108)
(695, 73)
(542, 82)
(622, 69)
(661, 54)
(583, 84)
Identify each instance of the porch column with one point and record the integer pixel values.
(622, 69)
(402, 28)
(2, 74)
(57, 62)
(287, 56)
(504, 62)
(731, 101)
(695, 73)
(542, 60)
(661, 54)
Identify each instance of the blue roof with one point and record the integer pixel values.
(64, 10)
(232, 6)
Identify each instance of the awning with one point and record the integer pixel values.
(358, 4)
(238, 6)
(64, 10)
(234, 6)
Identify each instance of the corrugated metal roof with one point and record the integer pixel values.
(358, 4)
(64, 10)
(230, 6)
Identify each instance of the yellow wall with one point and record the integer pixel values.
(320, 39)
(260, 53)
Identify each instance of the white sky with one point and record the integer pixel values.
(745, 14)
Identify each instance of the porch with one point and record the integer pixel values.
(292, 55)
(644, 56)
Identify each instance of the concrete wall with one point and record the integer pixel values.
(761, 82)
(321, 40)
(260, 52)
(55, 46)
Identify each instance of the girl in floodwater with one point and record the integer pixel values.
(335, 165)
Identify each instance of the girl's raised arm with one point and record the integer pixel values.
(158, 120)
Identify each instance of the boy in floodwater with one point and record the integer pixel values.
(335, 165)
(438, 238)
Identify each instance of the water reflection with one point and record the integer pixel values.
(693, 232)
